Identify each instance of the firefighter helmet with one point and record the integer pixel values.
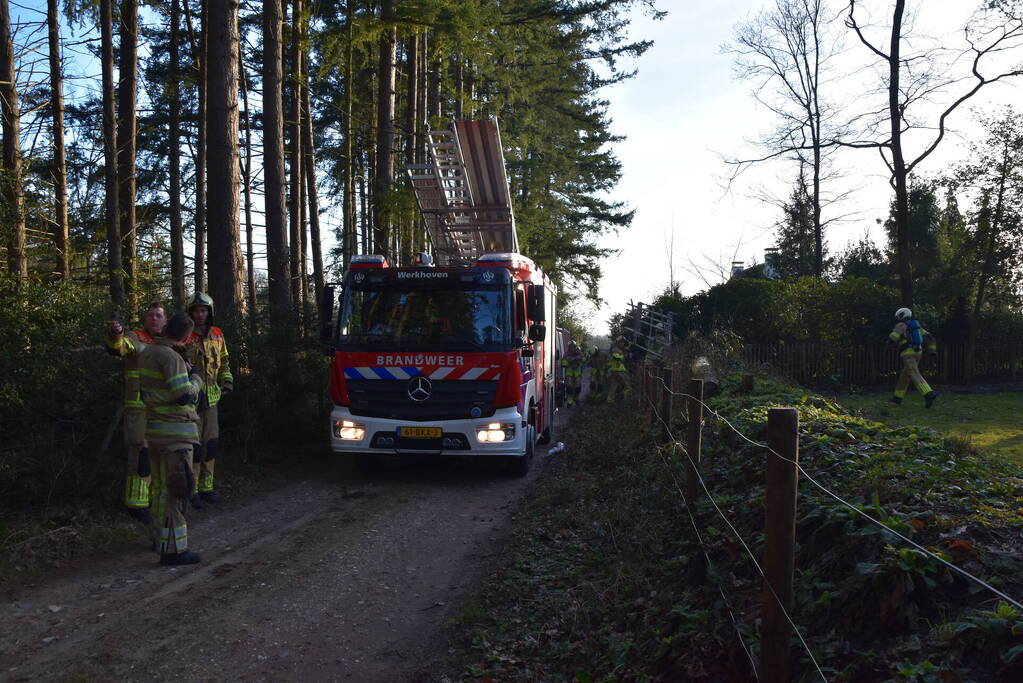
(903, 314)
(200, 299)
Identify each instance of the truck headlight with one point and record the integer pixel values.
(495, 432)
(348, 430)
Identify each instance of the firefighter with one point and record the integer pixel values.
(912, 339)
(129, 347)
(573, 363)
(598, 372)
(207, 350)
(170, 388)
(619, 374)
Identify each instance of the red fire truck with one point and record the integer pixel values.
(449, 359)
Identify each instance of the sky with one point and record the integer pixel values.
(682, 112)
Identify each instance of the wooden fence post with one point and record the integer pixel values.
(782, 477)
(651, 396)
(697, 571)
(666, 398)
(694, 405)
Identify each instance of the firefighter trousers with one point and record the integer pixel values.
(911, 373)
(206, 455)
(167, 508)
(619, 380)
(136, 460)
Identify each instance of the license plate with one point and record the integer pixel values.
(420, 432)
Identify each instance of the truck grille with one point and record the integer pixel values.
(450, 400)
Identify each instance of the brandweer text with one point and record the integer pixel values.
(420, 359)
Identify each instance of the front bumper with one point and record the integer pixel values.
(379, 436)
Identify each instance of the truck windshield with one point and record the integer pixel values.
(426, 317)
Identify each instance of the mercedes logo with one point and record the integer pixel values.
(420, 388)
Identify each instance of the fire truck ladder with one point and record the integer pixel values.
(651, 329)
(463, 193)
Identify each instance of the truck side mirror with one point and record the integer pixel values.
(535, 303)
(537, 332)
(326, 316)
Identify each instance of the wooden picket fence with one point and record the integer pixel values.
(814, 363)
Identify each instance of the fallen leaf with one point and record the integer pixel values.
(961, 546)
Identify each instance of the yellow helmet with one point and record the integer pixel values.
(200, 299)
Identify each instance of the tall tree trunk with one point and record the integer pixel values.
(309, 164)
(365, 228)
(987, 268)
(433, 105)
(61, 239)
(369, 160)
(412, 58)
(303, 270)
(469, 110)
(201, 220)
(126, 129)
(459, 85)
(111, 202)
(421, 104)
(411, 96)
(12, 210)
(177, 238)
(349, 244)
(900, 180)
(227, 271)
(295, 154)
(278, 266)
(385, 131)
(247, 192)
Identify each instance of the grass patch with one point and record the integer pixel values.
(601, 580)
(991, 422)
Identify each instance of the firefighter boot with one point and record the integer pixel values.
(929, 398)
(198, 503)
(176, 559)
(140, 515)
(210, 496)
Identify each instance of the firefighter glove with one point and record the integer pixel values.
(144, 467)
(180, 478)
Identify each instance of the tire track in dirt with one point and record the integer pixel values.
(326, 579)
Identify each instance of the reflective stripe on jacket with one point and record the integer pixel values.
(209, 354)
(169, 394)
(617, 361)
(127, 347)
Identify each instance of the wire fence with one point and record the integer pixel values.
(658, 390)
(818, 363)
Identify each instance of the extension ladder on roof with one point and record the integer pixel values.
(463, 194)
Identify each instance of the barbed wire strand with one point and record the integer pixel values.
(703, 549)
(706, 555)
(849, 505)
(738, 536)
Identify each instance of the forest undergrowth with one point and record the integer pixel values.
(602, 576)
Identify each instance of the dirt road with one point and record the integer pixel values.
(336, 577)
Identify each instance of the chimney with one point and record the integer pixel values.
(771, 262)
(737, 269)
